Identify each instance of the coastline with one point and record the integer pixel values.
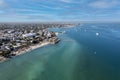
(25, 50)
(30, 48)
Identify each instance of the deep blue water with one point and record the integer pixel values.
(82, 54)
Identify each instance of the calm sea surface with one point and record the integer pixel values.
(86, 52)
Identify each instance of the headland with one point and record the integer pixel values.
(19, 38)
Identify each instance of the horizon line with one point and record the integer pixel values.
(59, 22)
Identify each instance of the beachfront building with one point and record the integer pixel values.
(29, 35)
(15, 39)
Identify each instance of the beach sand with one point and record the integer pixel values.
(26, 49)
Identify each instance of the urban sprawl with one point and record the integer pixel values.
(18, 38)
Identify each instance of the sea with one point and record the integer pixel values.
(90, 51)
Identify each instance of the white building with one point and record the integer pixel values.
(29, 35)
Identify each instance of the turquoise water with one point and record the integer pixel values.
(81, 55)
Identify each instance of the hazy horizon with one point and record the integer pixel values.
(64, 22)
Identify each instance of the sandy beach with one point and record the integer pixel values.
(30, 48)
(24, 50)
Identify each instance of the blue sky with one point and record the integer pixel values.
(59, 10)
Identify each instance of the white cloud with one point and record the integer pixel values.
(67, 1)
(44, 6)
(72, 1)
(103, 4)
(2, 2)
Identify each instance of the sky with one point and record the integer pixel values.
(59, 10)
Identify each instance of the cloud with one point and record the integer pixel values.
(70, 1)
(103, 4)
(50, 7)
(67, 1)
(58, 9)
(11, 16)
(1, 2)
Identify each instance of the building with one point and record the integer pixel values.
(29, 35)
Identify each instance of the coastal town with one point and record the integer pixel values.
(16, 39)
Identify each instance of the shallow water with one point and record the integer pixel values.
(81, 55)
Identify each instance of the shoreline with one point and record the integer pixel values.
(32, 47)
(25, 50)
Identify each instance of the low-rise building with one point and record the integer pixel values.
(29, 35)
